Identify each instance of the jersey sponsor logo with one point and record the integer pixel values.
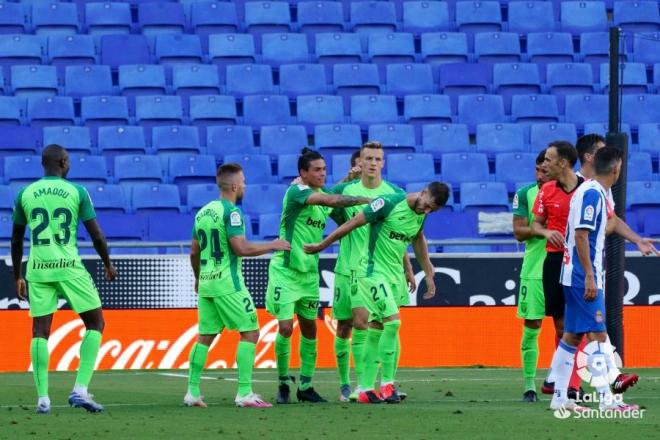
(399, 236)
(515, 201)
(59, 192)
(315, 223)
(377, 204)
(589, 213)
(210, 276)
(235, 219)
(62, 263)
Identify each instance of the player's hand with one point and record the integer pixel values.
(110, 273)
(354, 173)
(21, 289)
(410, 279)
(297, 181)
(589, 288)
(430, 287)
(646, 247)
(312, 248)
(555, 238)
(280, 245)
(197, 285)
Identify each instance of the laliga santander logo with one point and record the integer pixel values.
(562, 413)
(592, 364)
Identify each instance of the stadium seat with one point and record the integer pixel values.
(583, 16)
(176, 139)
(142, 79)
(177, 49)
(256, 167)
(319, 109)
(33, 80)
(108, 198)
(156, 18)
(464, 79)
(21, 170)
(50, 110)
(497, 47)
(642, 198)
(155, 198)
(407, 168)
(639, 167)
(227, 49)
(515, 79)
(390, 48)
(315, 17)
(249, 79)
(170, 226)
(534, 108)
(19, 140)
(263, 199)
(480, 109)
(151, 111)
(444, 47)
(266, 17)
(637, 16)
(569, 79)
(12, 110)
(541, 134)
(645, 48)
(137, 168)
(395, 138)
(341, 164)
(69, 50)
(261, 110)
(194, 79)
(457, 168)
(372, 17)
(282, 139)
(632, 78)
(355, 79)
(373, 109)
(531, 16)
(206, 110)
(96, 111)
(13, 18)
(287, 167)
(6, 227)
(583, 109)
(337, 138)
(478, 16)
(89, 170)
(124, 49)
(54, 18)
(595, 50)
(123, 227)
(213, 17)
(278, 49)
(337, 48)
(229, 139)
(7, 200)
(87, 81)
(269, 226)
(438, 139)
(426, 16)
(19, 49)
(656, 77)
(649, 138)
(509, 167)
(640, 109)
(484, 197)
(187, 169)
(108, 18)
(602, 128)
(408, 79)
(302, 79)
(550, 47)
(74, 139)
(199, 194)
(498, 138)
(423, 109)
(121, 140)
(652, 226)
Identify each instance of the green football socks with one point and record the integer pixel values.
(529, 354)
(245, 361)
(387, 350)
(307, 361)
(282, 355)
(198, 355)
(342, 353)
(39, 354)
(358, 344)
(371, 361)
(89, 350)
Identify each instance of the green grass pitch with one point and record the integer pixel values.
(450, 403)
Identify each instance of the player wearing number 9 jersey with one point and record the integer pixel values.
(224, 302)
(51, 208)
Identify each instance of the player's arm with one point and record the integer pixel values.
(522, 230)
(410, 274)
(17, 234)
(618, 226)
(245, 248)
(421, 249)
(101, 247)
(195, 260)
(538, 229)
(343, 230)
(583, 249)
(335, 200)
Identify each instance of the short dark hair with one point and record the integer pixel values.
(355, 156)
(565, 150)
(439, 192)
(587, 144)
(605, 159)
(307, 156)
(541, 157)
(52, 155)
(229, 168)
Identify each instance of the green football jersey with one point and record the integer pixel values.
(220, 268)
(353, 247)
(523, 201)
(51, 208)
(300, 224)
(394, 225)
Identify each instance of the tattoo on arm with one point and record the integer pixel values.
(344, 201)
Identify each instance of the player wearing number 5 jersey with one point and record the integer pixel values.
(223, 300)
(51, 208)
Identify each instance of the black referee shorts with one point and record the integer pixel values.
(552, 288)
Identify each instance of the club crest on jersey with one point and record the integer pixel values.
(515, 201)
(589, 213)
(377, 204)
(599, 316)
(235, 219)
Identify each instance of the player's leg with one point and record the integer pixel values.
(307, 310)
(554, 305)
(402, 299)
(341, 311)
(359, 343)
(531, 308)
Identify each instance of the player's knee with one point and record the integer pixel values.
(393, 323)
(251, 336)
(533, 324)
(97, 324)
(286, 329)
(344, 329)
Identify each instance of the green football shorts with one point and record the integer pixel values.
(234, 311)
(379, 296)
(80, 293)
(291, 292)
(346, 297)
(531, 301)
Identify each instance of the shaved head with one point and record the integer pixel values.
(55, 160)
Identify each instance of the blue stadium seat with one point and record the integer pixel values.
(372, 17)
(256, 167)
(341, 163)
(50, 110)
(19, 140)
(284, 48)
(373, 109)
(156, 18)
(123, 227)
(550, 47)
(124, 49)
(170, 227)
(199, 194)
(187, 169)
(480, 109)
(315, 17)
(263, 199)
(337, 48)
(531, 16)
(151, 111)
(261, 110)
(54, 18)
(602, 128)
(176, 139)
(478, 16)
(395, 138)
(408, 79)
(302, 79)
(138, 168)
(13, 18)
(319, 109)
(74, 139)
(438, 139)
(269, 226)
(108, 18)
(511, 79)
(497, 47)
(229, 139)
(281, 139)
(142, 79)
(640, 109)
(287, 167)
(33, 80)
(6, 227)
(177, 49)
(21, 170)
(96, 111)
(68, 50)
(637, 16)
(649, 138)
(155, 198)
(389, 48)
(444, 47)
(12, 110)
(108, 198)
(643, 198)
(406, 168)
(337, 137)
(652, 226)
(206, 110)
(534, 108)
(510, 166)
(82, 81)
(121, 140)
(639, 167)
(7, 200)
(583, 109)
(484, 197)
(632, 78)
(425, 16)
(195, 79)
(450, 225)
(569, 79)
(645, 48)
(595, 50)
(90, 170)
(227, 49)
(19, 49)
(583, 16)
(267, 17)
(464, 79)
(498, 138)
(249, 79)
(457, 168)
(541, 134)
(355, 79)
(423, 109)
(207, 18)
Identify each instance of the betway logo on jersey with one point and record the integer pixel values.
(315, 223)
(62, 263)
(399, 236)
